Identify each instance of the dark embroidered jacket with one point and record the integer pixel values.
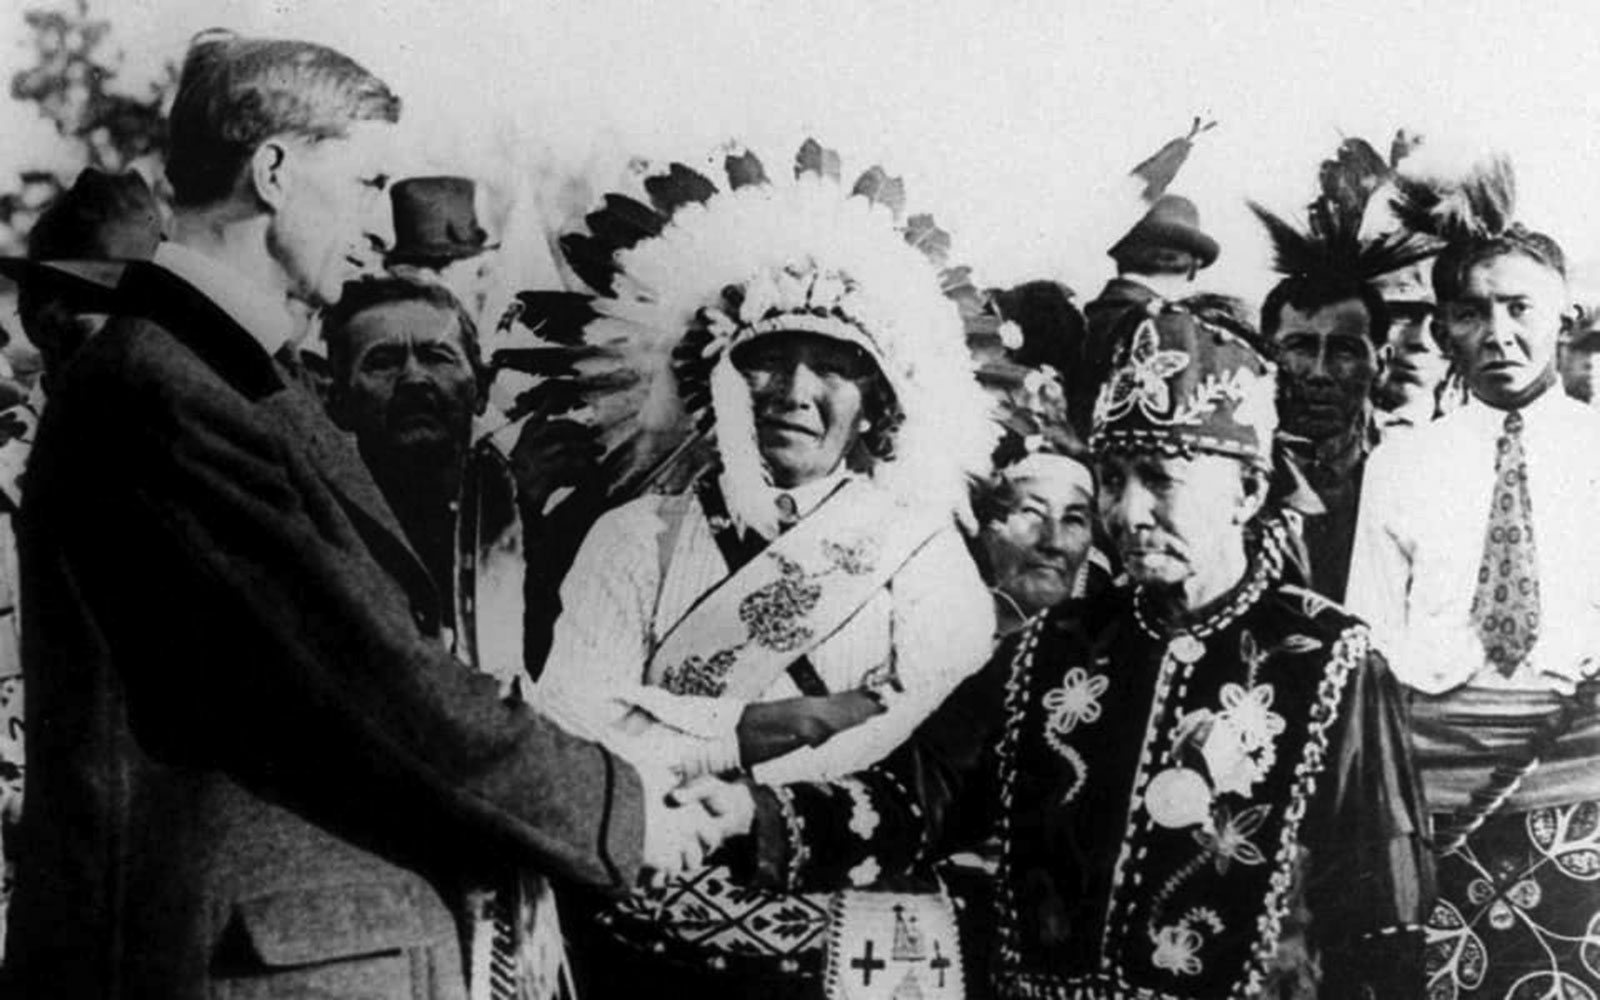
(1170, 805)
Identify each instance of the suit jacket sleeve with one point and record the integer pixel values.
(258, 628)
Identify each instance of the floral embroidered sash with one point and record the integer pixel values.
(785, 602)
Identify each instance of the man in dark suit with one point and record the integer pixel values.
(255, 770)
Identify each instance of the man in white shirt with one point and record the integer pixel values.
(1477, 565)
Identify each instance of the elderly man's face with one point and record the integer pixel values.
(1504, 326)
(1035, 552)
(1326, 365)
(806, 391)
(411, 390)
(1172, 519)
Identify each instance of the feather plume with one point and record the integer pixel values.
(1479, 205)
(1331, 251)
(647, 357)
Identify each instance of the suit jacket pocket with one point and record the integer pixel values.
(353, 940)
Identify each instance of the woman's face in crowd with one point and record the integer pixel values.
(806, 391)
(1035, 551)
(1174, 521)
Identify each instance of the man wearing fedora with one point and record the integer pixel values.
(437, 237)
(1157, 261)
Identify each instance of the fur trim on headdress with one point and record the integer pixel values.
(1473, 214)
(709, 268)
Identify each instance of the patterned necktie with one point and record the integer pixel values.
(1505, 607)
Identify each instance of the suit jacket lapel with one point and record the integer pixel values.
(205, 328)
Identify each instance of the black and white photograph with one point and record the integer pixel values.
(799, 500)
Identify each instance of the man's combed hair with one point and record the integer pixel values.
(236, 93)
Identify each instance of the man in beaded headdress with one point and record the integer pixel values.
(1183, 769)
(810, 600)
(1477, 564)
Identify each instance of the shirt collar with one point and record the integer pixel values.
(1545, 406)
(262, 313)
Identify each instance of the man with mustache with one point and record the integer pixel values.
(1183, 770)
(1477, 564)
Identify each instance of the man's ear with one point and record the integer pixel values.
(1383, 357)
(1252, 495)
(269, 173)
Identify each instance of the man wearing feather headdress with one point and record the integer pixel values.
(800, 609)
(1477, 565)
(1326, 324)
(1182, 770)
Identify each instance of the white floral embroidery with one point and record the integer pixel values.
(1076, 700)
(1176, 951)
(863, 817)
(865, 873)
(1142, 380)
(1229, 838)
(1238, 743)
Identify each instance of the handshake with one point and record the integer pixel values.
(686, 825)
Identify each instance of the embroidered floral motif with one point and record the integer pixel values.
(1176, 950)
(772, 612)
(1238, 743)
(865, 873)
(1454, 956)
(1524, 894)
(1076, 700)
(697, 675)
(1228, 838)
(1177, 946)
(1142, 380)
(863, 817)
(855, 557)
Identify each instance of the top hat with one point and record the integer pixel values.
(1172, 222)
(435, 221)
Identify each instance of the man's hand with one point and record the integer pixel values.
(684, 826)
(771, 729)
(729, 804)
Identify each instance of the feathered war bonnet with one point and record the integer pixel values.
(1330, 260)
(1474, 216)
(700, 270)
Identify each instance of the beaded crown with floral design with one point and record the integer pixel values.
(679, 281)
(1180, 384)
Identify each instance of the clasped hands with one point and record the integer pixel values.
(703, 814)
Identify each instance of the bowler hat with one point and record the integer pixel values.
(1172, 222)
(435, 221)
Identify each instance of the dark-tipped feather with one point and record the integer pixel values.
(678, 187)
(624, 222)
(814, 158)
(591, 259)
(881, 189)
(558, 317)
(744, 170)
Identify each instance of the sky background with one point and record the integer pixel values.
(1004, 118)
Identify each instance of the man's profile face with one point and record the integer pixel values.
(410, 390)
(1504, 326)
(1326, 366)
(1171, 518)
(334, 199)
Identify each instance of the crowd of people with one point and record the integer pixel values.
(773, 611)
